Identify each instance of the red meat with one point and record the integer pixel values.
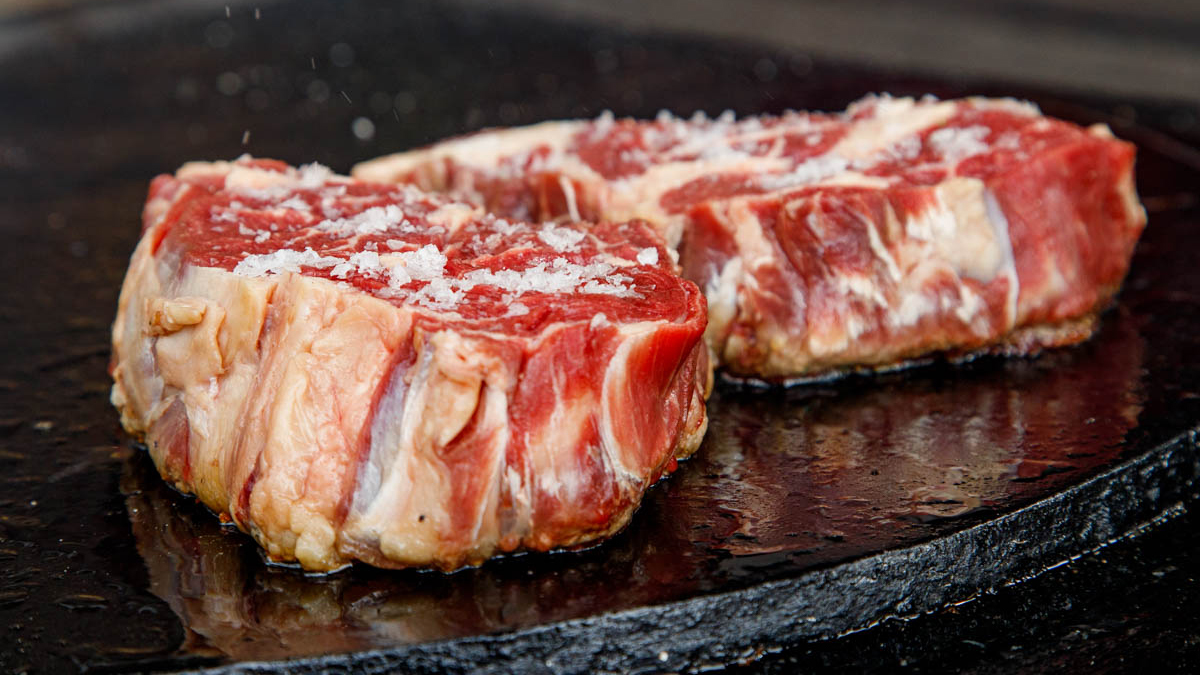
(362, 371)
(865, 239)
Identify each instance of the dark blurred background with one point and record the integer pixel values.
(1139, 49)
(1142, 59)
(1148, 48)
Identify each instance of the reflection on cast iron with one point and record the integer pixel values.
(786, 481)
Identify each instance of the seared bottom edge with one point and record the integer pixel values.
(1022, 342)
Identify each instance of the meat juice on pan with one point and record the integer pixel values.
(782, 484)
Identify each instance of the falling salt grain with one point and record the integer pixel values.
(363, 128)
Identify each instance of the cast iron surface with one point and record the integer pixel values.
(807, 513)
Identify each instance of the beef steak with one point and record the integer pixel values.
(825, 242)
(349, 370)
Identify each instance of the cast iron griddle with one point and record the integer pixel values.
(807, 513)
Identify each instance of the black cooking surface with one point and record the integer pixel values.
(808, 512)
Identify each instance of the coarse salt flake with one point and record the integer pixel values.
(561, 239)
(808, 172)
(424, 264)
(374, 220)
(503, 227)
(955, 144)
(560, 276)
(313, 176)
(294, 203)
(283, 260)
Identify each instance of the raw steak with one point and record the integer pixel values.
(361, 371)
(894, 230)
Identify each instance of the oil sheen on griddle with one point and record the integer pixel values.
(784, 482)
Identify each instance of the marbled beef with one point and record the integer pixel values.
(349, 370)
(825, 242)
